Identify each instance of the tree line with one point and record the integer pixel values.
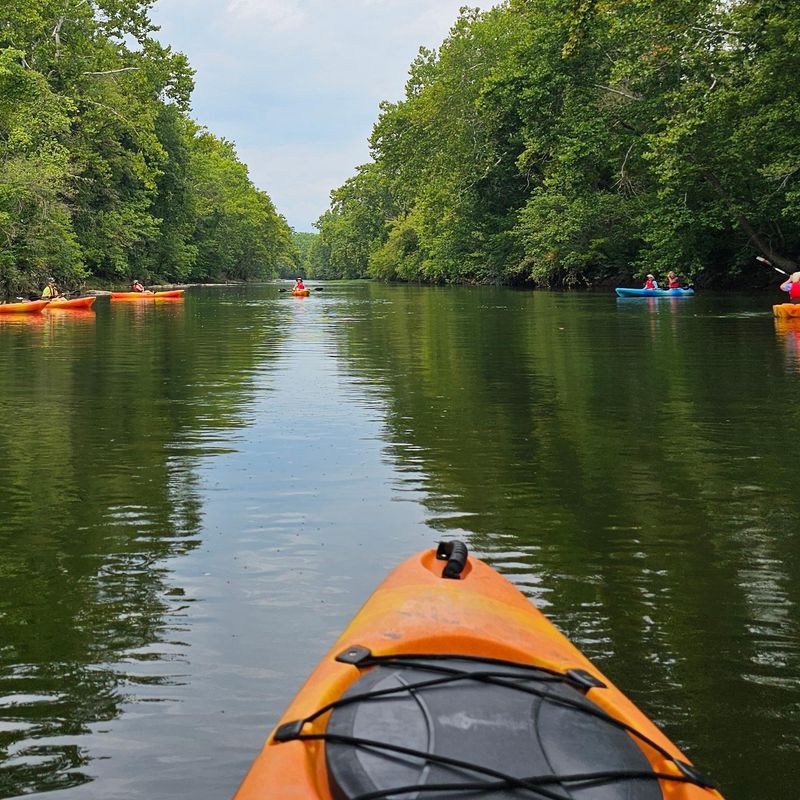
(562, 143)
(103, 174)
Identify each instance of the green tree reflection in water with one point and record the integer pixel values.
(104, 419)
(622, 462)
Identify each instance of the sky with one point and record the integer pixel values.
(296, 84)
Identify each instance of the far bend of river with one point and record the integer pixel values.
(196, 496)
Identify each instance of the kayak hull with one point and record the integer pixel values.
(24, 308)
(622, 292)
(147, 295)
(71, 305)
(301, 292)
(786, 310)
(417, 611)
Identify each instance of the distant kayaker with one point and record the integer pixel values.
(136, 286)
(51, 291)
(299, 285)
(651, 282)
(792, 285)
(672, 281)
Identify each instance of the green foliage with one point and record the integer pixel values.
(400, 256)
(238, 234)
(573, 143)
(101, 171)
(298, 263)
(35, 176)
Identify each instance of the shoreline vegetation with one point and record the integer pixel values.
(573, 145)
(103, 174)
(543, 145)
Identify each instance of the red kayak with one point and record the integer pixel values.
(23, 308)
(147, 295)
(70, 305)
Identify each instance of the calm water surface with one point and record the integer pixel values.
(196, 496)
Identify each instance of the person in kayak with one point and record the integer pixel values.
(299, 285)
(792, 285)
(51, 291)
(672, 281)
(136, 286)
(651, 282)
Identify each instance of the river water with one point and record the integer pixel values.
(196, 496)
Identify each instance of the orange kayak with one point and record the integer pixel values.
(23, 308)
(67, 305)
(449, 683)
(786, 310)
(146, 295)
(301, 292)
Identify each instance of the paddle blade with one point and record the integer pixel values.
(770, 264)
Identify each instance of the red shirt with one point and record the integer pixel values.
(650, 284)
(300, 285)
(674, 283)
(794, 290)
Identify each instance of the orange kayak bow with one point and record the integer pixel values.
(23, 308)
(450, 684)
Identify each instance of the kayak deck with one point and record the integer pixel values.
(434, 671)
(301, 292)
(147, 295)
(69, 305)
(623, 292)
(786, 310)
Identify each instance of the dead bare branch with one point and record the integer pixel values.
(617, 91)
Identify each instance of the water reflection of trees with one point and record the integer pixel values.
(622, 469)
(102, 429)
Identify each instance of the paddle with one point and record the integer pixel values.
(312, 288)
(770, 264)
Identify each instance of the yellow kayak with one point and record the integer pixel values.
(785, 310)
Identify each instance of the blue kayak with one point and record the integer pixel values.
(654, 292)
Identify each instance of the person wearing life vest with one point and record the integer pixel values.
(672, 281)
(299, 285)
(51, 291)
(136, 286)
(651, 282)
(792, 285)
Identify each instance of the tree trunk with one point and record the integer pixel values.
(745, 225)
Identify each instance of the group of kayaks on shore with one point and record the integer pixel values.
(53, 298)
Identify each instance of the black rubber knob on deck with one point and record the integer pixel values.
(455, 553)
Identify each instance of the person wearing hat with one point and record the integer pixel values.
(651, 282)
(792, 285)
(51, 291)
(298, 285)
(136, 286)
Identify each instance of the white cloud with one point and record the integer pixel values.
(278, 15)
(297, 83)
(299, 177)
